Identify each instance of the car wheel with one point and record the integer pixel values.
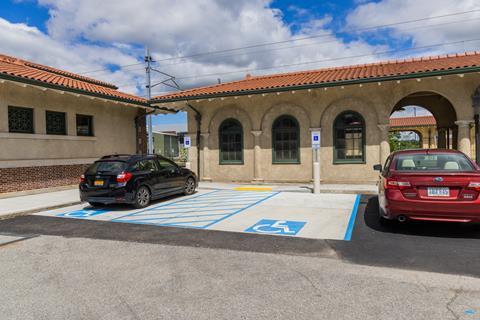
(189, 187)
(142, 197)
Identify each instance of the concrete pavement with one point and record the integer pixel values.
(53, 277)
(322, 216)
(22, 203)
(36, 202)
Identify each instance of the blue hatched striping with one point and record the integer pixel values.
(198, 212)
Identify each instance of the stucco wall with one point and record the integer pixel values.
(316, 108)
(113, 125)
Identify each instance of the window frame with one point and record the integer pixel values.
(65, 123)
(220, 151)
(297, 131)
(91, 131)
(32, 114)
(363, 127)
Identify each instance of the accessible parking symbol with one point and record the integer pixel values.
(280, 227)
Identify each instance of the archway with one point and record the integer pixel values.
(427, 113)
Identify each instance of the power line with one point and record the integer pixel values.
(315, 43)
(292, 40)
(121, 67)
(330, 59)
(320, 35)
(296, 46)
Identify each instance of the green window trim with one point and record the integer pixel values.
(286, 132)
(230, 142)
(337, 127)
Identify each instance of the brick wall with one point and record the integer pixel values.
(29, 178)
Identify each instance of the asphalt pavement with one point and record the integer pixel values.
(433, 247)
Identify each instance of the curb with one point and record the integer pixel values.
(305, 190)
(27, 212)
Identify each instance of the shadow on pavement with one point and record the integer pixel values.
(420, 228)
(126, 207)
(434, 247)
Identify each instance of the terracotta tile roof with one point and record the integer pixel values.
(412, 121)
(333, 76)
(22, 70)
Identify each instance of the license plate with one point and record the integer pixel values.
(438, 192)
(98, 183)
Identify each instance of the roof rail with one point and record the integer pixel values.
(116, 155)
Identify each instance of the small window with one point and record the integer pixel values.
(433, 162)
(56, 122)
(166, 164)
(84, 125)
(286, 140)
(349, 138)
(20, 120)
(231, 142)
(106, 166)
(145, 165)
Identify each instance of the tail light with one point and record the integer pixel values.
(474, 186)
(395, 184)
(124, 177)
(82, 178)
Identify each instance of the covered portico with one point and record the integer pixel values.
(258, 129)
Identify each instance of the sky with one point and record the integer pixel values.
(202, 41)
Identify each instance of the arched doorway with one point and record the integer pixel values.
(429, 113)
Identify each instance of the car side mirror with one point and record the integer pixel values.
(377, 167)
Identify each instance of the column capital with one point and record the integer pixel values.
(383, 127)
(256, 133)
(314, 129)
(205, 134)
(464, 123)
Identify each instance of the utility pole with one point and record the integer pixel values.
(148, 70)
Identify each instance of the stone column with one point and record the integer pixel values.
(206, 157)
(442, 138)
(257, 161)
(384, 143)
(464, 143)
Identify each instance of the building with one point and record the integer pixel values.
(258, 129)
(54, 123)
(167, 144)
(425, 128)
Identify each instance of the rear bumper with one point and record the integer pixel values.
(120, 195)
(437, 210)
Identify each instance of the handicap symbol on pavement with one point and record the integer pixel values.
(282, 227)
(84, 213)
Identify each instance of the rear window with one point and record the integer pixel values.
(433, 162)
(107, 167)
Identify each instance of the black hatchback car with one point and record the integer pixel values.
(135, 180)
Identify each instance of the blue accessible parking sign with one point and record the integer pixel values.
(280, 227)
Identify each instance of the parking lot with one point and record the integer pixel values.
(326, 216)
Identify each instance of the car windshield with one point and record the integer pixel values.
(107, 167)
(433, 162)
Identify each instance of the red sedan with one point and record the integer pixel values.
(430, 185)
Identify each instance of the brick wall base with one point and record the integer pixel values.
(30, 178)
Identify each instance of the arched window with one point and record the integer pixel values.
(286, 140)
(349, 138)
(231, 142)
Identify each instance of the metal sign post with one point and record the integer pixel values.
(316, 161)
(187, 143)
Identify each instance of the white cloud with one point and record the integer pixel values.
(178, 28)
(89, 35)
(440, 30)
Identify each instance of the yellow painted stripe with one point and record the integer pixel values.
(253, 189)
